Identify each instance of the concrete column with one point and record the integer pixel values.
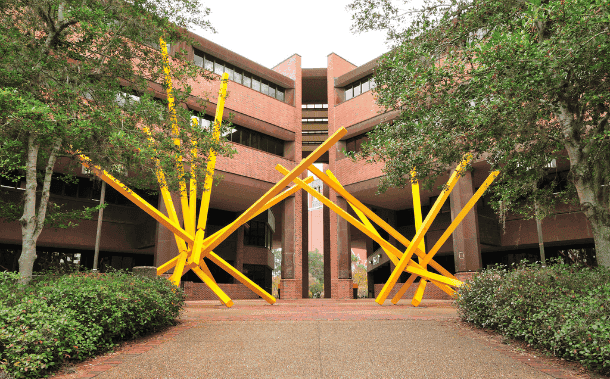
(466, 243)
(239, 252)
(165, 244)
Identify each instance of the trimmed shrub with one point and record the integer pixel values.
(71, 317)
(560, 308)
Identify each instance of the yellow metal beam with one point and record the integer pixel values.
(373, 217)
(422, 246)
(404, 261)
(209, 174)
(392, 257)
(207, 279)
(136, 199)
(241, 277)
(172, 262)
(261, 202)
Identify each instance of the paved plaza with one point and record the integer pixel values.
(320, 338)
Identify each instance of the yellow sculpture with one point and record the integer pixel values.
(194, 246)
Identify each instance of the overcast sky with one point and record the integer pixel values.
(269, 31)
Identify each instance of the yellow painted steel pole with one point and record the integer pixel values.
(395, 259)
(469, 205)
(136, 199)
(172, 262)
(413, 267)
(385, 291)
(186, 216)
(422, 246)
(373, 217)
(209, 175)
(260, 203)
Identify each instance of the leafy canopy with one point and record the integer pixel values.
(513, 82)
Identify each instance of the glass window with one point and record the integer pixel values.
(247, 81)
(263, 143)
(219, 68)
(245, 137)
(373, 85)
(229, 70)
(208, 64)
(279, 95)
(357, 90)
(349, 93)
(264, 88)
(303, 105)
(256, 84)
(235, 134)
(325, 106)
(365, 86)
(271, 91)
(255, 140)
(318, 106)
(237, 76)
(198, 60)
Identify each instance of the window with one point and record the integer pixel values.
(349, 93)
(359, 87)
(219, 68)
(354, 144)
(314, 106)
(258, 234)
(256, 84)
(237, 76)
(245, 78)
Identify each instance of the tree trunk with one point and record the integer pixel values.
(601, 235)
(32, 221)
(588, 183)
(28, 220)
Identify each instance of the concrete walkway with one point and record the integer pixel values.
(319, 339)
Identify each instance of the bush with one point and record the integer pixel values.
(560, 308)
(72, 317)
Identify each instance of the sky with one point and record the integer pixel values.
(269, 31)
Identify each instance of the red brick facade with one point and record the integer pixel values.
(480, 239)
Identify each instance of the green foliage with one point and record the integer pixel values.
(515, 83)
(316, 270)
(71, 317)
(563, 309)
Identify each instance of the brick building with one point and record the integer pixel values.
(280, 115)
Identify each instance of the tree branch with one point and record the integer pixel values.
(46, 186)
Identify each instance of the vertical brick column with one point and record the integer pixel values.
(165, 244)
(292, 220)
(340, 252)
(466, 245)
(305, 244)
(290, 288)
(239, 252)
(327, 261)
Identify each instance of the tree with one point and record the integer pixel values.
(518, 83)
(316, 269)
(75, 77)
